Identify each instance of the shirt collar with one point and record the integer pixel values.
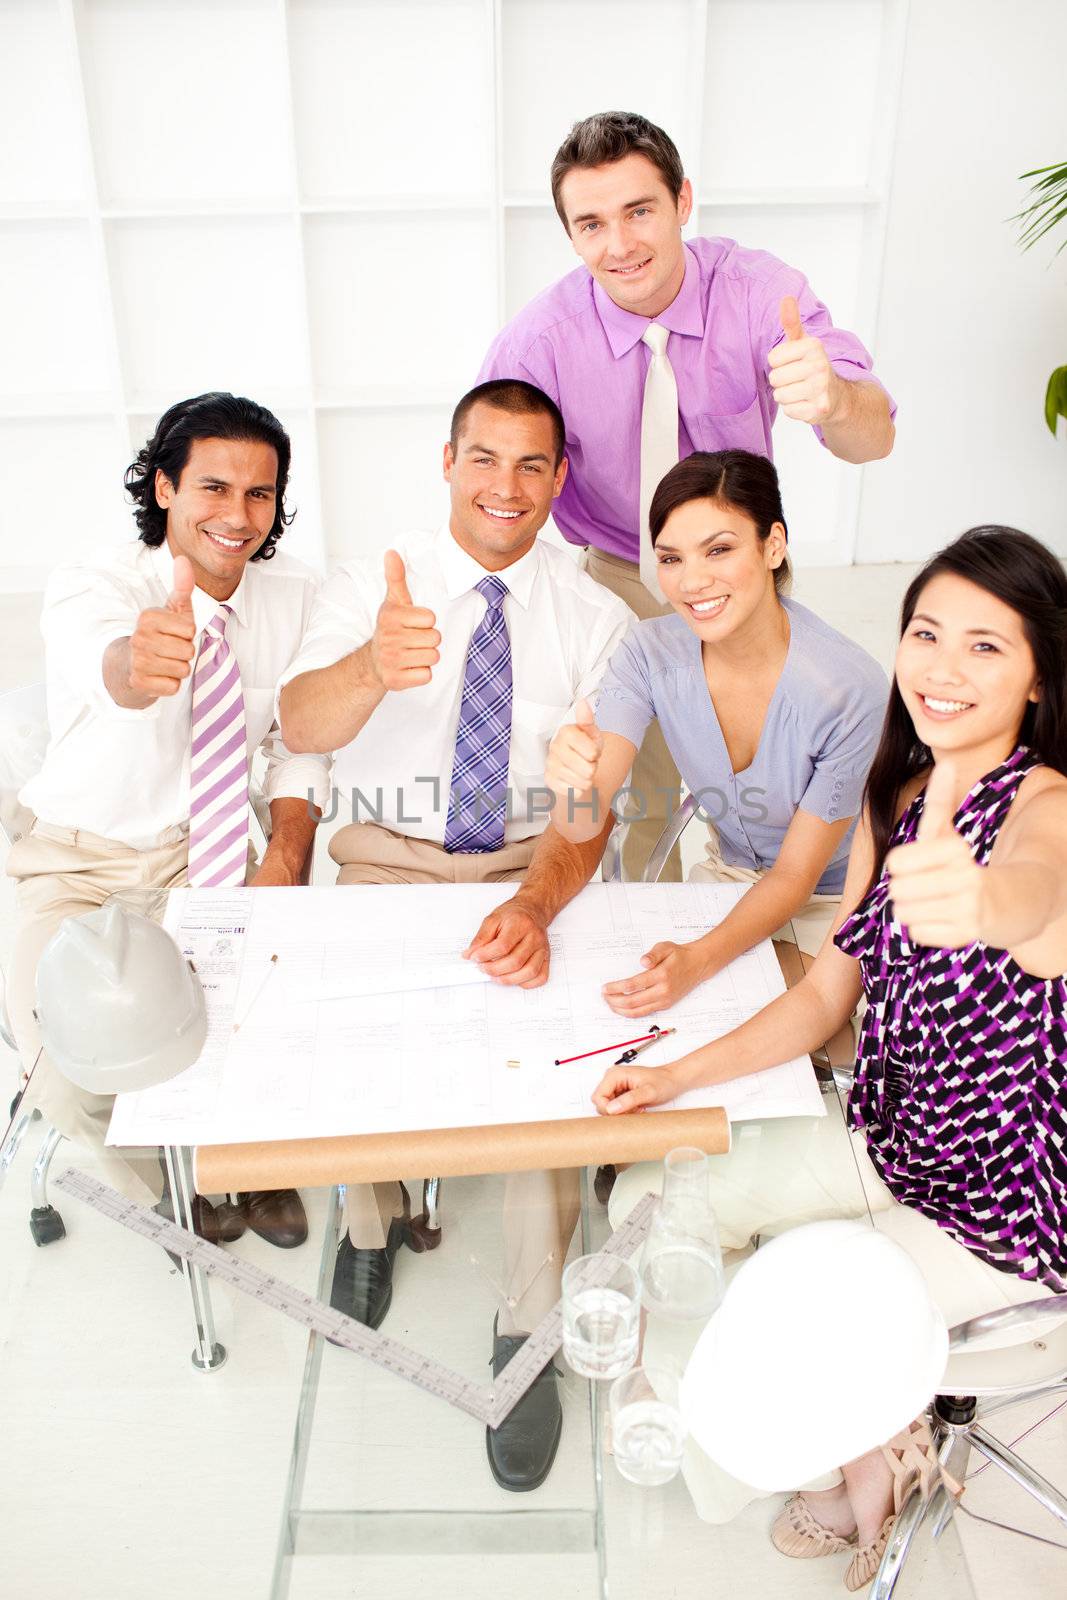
(462, 573)
(684, 314)
(204, 606)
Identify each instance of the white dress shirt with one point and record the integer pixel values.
(124, 774)
(563, 628)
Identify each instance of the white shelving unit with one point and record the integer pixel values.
(332, 205)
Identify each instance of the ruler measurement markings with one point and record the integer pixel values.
(488, 1404)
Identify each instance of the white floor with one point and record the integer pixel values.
(123, 1473)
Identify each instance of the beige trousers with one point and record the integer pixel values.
(64, 872)
(810, 924)
(540, 1209)
(654, 770)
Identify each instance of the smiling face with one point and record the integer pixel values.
(714, 568)
(222, 509)
(503, 478)
(965, 669)
(626, 225)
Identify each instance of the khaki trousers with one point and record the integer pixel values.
(540, 1209)
(64, 872)
(654, 770)
(810, 924)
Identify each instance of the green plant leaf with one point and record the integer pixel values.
(1056, 398)
(1047, 206)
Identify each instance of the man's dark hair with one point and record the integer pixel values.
(609, 136)
(517, 397)
(735, 478)
(206, 416)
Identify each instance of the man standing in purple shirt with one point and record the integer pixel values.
(657, 347)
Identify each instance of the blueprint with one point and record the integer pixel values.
(350, 1010)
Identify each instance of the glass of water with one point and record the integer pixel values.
(601, 1316)
(647, 1432)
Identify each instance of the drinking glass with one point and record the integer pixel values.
(647, 1431)
(601, 1316)
(681, 1267)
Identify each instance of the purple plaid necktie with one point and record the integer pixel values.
(477, 804)
(218, 764)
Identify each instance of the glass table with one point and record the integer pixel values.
(298, 1469)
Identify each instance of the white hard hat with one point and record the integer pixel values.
(118, 1005)
(825, 1345)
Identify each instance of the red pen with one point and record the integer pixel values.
(644, 1038)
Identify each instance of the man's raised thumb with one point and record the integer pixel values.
(180, 599)
(789, 316)
(396, 582)
(583, 715)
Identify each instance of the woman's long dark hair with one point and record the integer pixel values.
(1020, 571)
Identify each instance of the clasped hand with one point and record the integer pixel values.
(512, 945)
(669, 972)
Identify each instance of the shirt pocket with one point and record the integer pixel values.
(736, 430)
(259, 716)
(533, 725)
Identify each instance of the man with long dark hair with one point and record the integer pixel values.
(162, 656)
(656, 347)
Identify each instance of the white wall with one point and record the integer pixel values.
(969, 327)
(344, 274)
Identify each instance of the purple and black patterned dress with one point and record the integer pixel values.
(961, 1071)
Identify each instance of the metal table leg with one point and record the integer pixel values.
(208, 1355)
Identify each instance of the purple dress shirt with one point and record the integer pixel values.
(577, 345)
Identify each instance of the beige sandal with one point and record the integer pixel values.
(912, 1456)
(797, 1532)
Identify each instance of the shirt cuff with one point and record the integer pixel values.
(305, 777)
(855, 372)
(832, 796)
(312, 658)
(98, 692)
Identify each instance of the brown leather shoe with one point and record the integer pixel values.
(277, 1215)
(231, 1221)
(205, 1222)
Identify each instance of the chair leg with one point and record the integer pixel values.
(1045, 1493)
(425, 1229)
(913, 1514)
(10, 1147)
(46, 1224)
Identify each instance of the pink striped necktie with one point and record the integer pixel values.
(218, 764)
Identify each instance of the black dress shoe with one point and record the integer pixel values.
(603, 1183)
(521, 1451)
(277, 1215)
(363, 1279)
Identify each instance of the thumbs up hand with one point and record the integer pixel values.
(161, 644)
(404, 646)
(937, 888)
(180, 599)
(805, 385)
(574, 755)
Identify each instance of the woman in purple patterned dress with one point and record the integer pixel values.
(953, 923)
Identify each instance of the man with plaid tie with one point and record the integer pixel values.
(440, 675)
(162, 656)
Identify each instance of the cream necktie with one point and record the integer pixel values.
(659, 441)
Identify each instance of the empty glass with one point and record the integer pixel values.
(681, 1266)
(647, 1432)
(601, 1315)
